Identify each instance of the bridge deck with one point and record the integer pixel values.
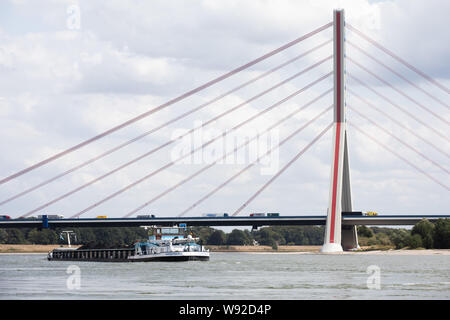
(218, 221)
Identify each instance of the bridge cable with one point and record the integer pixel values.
(166, 104)
(283, 169)
(398, 139)
(384, 49)
(189, 132)
(398, 122)
(110, 151)
(222, 158)
(398, 107)
(201, 147)
(398, 155)
(399, 91)
(256, 161)
(398, 74)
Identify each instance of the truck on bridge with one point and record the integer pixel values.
(262, 214)
(145, 216)
(211, 215)
(257, 214)
(52, 216)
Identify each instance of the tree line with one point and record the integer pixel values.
(424, 234)
(269, 236)
(125, 237)
(101, 238)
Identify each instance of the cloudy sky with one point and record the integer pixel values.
(73, 69)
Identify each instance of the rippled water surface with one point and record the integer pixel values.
(230, 276)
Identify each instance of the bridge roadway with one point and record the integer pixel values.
(387, 220)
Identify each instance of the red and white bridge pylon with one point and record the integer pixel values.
(340, 197)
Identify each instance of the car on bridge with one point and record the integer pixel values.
(371, 213)
(4, 217)
(145, 216)
(102, 217)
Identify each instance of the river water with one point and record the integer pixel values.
(238, 276)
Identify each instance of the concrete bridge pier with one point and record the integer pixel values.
(349, 239)
(349, 236)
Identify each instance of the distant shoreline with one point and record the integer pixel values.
(29, 248)
(316, 250)
(40, 249)
(263, 249)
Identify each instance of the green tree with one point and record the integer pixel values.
(84, 235)
(3, 236)
(203, 233)
(415, 241)
(274, 245)
(364, 231)
(383, 239)
(442, 234)
(44, 236)
(267, 236)
(425, 229)
(314, 234)
(107, 238)
(218, 237)
(299, 235)
(238, 237)
(17, 236)
(399, 238)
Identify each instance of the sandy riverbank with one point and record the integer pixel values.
(403, 252)
(28, 248)
(316, 250)
(263, 249)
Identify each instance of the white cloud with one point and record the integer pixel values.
(60, 86)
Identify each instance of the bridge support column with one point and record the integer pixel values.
(340, 198)
(349, 238)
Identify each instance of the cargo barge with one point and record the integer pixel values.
(164, 244)
(101, 255)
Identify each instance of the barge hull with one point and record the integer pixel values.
(169, 258)
(98, 255)
(121, 255)
(172, 258)
(87, 259)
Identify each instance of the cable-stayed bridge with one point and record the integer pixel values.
(340, 229)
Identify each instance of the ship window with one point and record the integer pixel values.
(169, 230)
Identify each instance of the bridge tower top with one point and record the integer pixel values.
(339, 64)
